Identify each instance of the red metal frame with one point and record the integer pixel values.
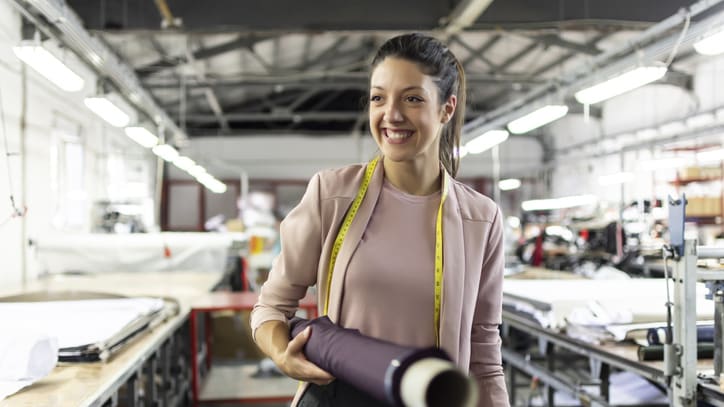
(227, 301)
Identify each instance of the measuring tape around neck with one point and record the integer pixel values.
(352, 212)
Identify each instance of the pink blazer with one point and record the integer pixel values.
(472, 274)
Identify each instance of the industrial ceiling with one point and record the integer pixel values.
(287, 67)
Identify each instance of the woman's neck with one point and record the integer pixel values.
(412, 177)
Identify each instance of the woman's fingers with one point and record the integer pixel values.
(304, 369)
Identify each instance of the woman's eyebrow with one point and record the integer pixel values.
(414, 87)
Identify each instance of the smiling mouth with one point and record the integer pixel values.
(395, 135)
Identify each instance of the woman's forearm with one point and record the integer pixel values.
(272, 337)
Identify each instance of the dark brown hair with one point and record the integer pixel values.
(434, 59)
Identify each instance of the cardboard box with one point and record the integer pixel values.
(231, 337)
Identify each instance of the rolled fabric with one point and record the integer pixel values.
(394, 374)
(704, 350)
(657, 336)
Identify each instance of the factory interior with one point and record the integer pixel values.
(151, 151)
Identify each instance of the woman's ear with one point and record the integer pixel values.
(448, 109)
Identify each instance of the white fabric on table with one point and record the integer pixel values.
(25, 357)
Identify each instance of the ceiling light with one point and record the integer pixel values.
(165, 151)
(710, 156)
(196, 170)
(701, 120)
(623, 83)
(537, 118)
(646, 134)
(183, 163)
(558, 203)
(46, 64)
(215, 186)
(486, 141)
(142, 136)
(509, 184)
(663, 163)
(671, 128)
(712, 44)
(108, 111)
(615, 179)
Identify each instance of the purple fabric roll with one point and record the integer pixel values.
(371, 365)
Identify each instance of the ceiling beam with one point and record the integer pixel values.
(243, 41)
(463, 15)
(478, 53)
(278, 115)
(351, 80)
(556, 40)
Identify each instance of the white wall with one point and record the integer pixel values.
(34, 171)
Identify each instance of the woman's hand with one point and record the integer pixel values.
(295, 365)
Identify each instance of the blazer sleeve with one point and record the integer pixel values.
(485, 356)
(295, 268)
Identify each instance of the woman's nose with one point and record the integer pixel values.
(393, 113)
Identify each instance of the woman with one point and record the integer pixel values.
(419, 256)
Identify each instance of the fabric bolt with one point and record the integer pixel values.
(337, 393)
(472, 272)
(371, 365)
(392, 271)
(657, 336)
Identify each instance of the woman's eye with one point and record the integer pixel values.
(375, 98)
(413, 99)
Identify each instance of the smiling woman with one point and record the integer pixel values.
(399, 250)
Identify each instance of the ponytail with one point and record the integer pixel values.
(450, 137)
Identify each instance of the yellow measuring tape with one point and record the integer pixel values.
(438, 243)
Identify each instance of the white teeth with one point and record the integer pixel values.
(398, 135)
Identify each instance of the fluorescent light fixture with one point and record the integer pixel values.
(196, 171)
(46, 64)
(623, 83)
(108, 111)
(142, 136)
(183, 163)
(616, 179)
(204, 177)
(663, 163)
(647, 134)
(701, 120)
(712, 44)
(558, 203)
(710, 156)
(165, 151)
(509, 184)
(537, 118)
(486, 141)
(215, 186)
(671, 128)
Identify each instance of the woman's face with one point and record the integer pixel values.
(405, 114)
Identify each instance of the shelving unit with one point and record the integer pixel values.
(703, 210)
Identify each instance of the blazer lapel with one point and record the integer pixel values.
(453, 273)
(351, 241)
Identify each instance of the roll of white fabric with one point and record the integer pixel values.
(24, 359)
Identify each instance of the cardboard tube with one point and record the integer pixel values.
(433, 382)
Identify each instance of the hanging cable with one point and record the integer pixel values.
(675, 48)
(16, 212)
